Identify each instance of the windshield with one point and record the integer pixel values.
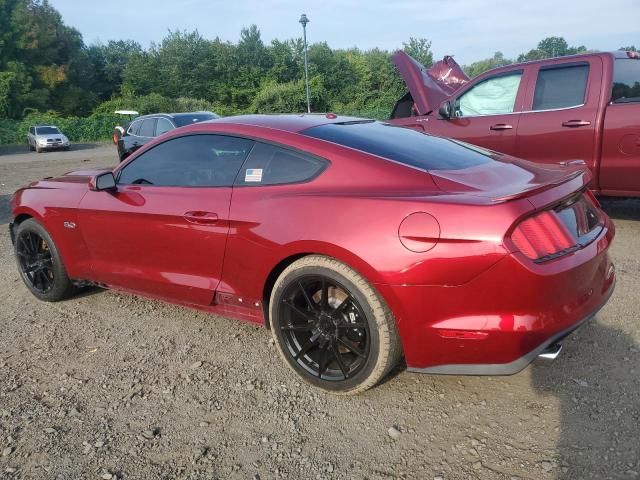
(402, 145)
(626, 81)
(182, 120)
(47, 130)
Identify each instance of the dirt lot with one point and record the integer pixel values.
(111, 386)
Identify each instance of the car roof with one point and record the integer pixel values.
(172, 115)
(288, 122)
(561, 59)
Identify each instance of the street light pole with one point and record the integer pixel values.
(304, 20)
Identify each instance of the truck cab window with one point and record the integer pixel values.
(561, 87)
(626, 81)
(493, 96)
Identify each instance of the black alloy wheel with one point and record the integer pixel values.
(39, 262)
(35, 261)
(332, 327)
(324, 328)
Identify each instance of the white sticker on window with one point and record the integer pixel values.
(253, 175)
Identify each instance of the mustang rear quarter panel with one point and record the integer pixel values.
(515, 306)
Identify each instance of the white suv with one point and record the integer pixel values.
(46, 137)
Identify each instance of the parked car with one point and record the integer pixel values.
(145, 128)
(354, 241)
(119, 129)
(576, 108)
(46, 137)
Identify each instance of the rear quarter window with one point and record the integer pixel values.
(402, 145)
(626, 81)
(274, 165)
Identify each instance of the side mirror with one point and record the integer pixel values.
(103, 182)
(445, 110)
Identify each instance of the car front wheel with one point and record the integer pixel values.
(331, 327)
(39, 263)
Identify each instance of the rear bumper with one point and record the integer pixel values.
(514, 366)
(500, 321)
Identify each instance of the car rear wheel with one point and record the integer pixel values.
(39, 263)
(331, 327)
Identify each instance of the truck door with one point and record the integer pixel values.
(558, 121)
(485, 113)
(620, 162)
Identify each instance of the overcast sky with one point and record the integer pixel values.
(468, 29)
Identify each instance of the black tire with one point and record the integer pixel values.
(344, 348)
(31, 149)
(66, 149)
(39, 263)
(38, 150)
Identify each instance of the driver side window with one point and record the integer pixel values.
(493, 96)
(190, 161)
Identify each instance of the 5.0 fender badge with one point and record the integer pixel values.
(71, 225)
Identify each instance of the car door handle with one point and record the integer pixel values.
(501, 126)
(576, 123)
(206, 218)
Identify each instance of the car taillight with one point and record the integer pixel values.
(542, 235)
(552, 233)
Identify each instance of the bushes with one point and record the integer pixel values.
(93, 128)
(153, 103)
(271, 98)
(290, 97)
(99, 125)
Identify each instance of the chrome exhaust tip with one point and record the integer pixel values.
(551, 352)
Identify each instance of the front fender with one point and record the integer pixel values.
(56, 210)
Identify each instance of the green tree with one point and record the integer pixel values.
(551, 47)
(420, 49)
(476, 68)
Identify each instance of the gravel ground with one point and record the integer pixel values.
(110, 386)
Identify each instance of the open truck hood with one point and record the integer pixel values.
(429, 87)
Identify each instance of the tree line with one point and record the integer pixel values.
(46, 66)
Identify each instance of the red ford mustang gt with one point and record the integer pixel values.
(356, 242)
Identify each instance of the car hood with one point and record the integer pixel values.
(507, 178)
(78, 177)
(429, 87)
(49, 135)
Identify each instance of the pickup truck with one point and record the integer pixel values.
(574, 109)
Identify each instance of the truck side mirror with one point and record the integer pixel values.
(445, 110)
(103, 182)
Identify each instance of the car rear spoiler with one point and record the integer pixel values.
(583, 174)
